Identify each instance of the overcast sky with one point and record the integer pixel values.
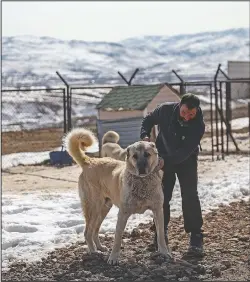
(114, 21)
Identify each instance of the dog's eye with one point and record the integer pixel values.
(135, 156)
(146, 154)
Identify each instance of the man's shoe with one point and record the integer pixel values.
(196, 243)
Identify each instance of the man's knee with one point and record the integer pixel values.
(168, 183)
(168, 192)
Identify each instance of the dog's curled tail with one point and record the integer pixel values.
(76, 142)
(110, 137)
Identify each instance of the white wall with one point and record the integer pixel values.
(239, 69)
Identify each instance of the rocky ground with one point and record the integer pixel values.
(226, 255)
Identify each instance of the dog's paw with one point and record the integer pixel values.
(113, 259)
(166, 253)
(102, 249)
(92, 251)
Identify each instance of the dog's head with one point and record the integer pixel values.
(142, 158)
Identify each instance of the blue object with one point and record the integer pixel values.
(60, 158)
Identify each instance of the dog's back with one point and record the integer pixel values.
(110, 146)
(110, 137)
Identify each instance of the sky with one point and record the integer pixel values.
(115, 21)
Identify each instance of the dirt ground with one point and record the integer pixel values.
(44, 178)
(226, 255)
(36, 140)
(227, 238)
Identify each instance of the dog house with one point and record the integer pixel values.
(124, 107)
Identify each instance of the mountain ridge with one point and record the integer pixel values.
(33, 60)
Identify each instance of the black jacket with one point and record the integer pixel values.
(174, 141)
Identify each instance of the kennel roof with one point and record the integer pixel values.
(124, 98)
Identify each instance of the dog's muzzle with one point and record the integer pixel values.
(142, 171)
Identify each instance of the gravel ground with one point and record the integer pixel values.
(226, 255)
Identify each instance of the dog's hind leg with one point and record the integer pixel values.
(90, 215)
(103, 213)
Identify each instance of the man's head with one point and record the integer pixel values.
(188, 107)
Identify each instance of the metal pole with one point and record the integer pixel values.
(67, 99)
(70, 108)
(177, 75)
(226, 76)
(211, 120)
(133, 76)
(121, 75)
(182, 87)
(228, 107)
(220, 112)
(216, 111)
(249, 118)
(216, 117)
(228, 111)
(64, 113)
(221, 122)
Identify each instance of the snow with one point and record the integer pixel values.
(240, 123)
(236, 124)
(30, 230)
(34, 60)
(29, 158)
(35, 223)
(32, 110)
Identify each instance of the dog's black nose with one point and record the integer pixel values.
(142, 171)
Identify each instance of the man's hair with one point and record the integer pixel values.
(190, 100)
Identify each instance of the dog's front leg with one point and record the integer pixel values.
(159, 223)
(120, 226)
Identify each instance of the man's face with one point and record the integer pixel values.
(187, 114)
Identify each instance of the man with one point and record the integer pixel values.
(181, 128)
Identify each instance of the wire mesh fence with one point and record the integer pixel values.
(32, 120)
(35, 119)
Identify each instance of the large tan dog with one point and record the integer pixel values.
(110, 148)
(133, 186)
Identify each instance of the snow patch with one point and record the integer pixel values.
(34, 224)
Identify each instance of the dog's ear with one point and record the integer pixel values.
(152, 144)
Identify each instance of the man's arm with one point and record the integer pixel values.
(149, 121)
(191, 144)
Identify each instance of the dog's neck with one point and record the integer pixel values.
(142, 187)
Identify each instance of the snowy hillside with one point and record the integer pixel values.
(29, 60)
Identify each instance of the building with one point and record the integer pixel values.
(239, 70)
(124, 107)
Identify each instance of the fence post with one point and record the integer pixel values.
(68, 100)
(249, 118)
(216, 110)
(182, 85)
(228, 112)
(131, 78)
(64, 113)
(211, 120)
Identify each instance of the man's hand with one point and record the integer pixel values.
(146, 139)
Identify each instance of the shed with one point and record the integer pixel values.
(124, 107)
(239, 70)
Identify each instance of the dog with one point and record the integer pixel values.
(133, 186)
(111, 148)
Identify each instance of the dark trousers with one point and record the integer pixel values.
(187, 175)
